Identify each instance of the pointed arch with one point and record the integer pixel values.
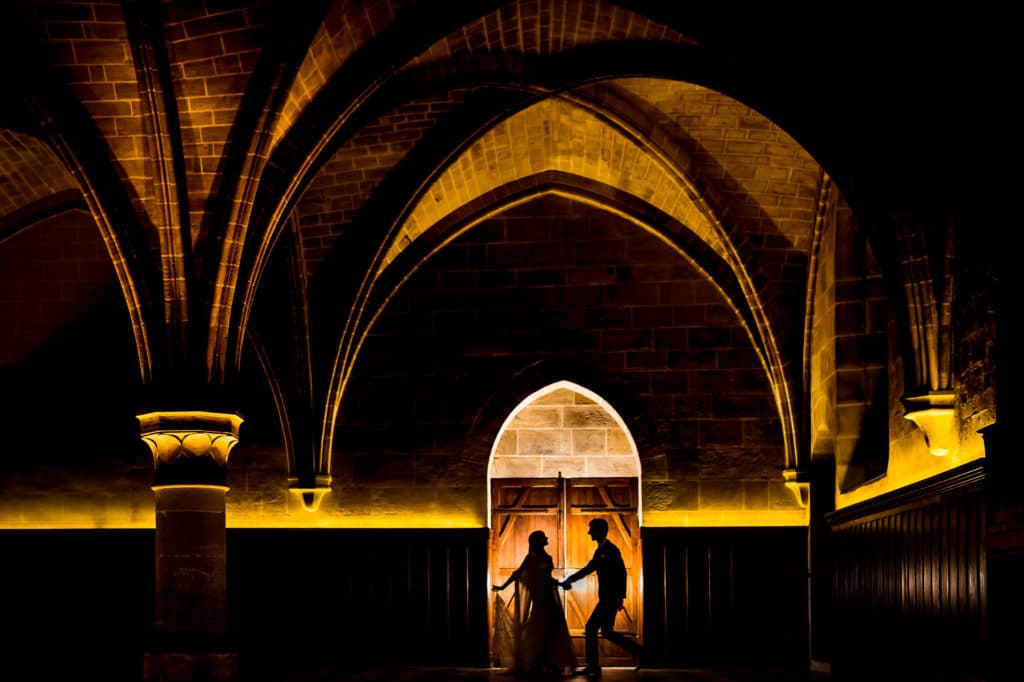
(537, 378)
(628, 465)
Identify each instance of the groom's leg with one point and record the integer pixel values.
(608, 627)
(594, 624)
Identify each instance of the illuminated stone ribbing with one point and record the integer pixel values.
(346, 28)
(547, 27)
(553, 135)
(29, 172)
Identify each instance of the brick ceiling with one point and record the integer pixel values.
(370, 131)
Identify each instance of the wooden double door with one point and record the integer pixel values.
(563, 509)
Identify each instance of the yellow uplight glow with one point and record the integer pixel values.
(299, 517)
(726, 518)
(320, 520)
(85, 521)
(801, 490)
(310, 497)
(910, 462)
(190, 485)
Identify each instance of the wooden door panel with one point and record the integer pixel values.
(526, 494)
(614, 500)
(522, 506)
(563, 508)
(513, 541)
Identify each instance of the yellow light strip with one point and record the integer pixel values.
(726, 519)
(692, 519)
(190, 485)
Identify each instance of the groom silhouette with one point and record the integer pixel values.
(611, 593)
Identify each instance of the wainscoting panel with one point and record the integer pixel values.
(77, 604)
(303, 600)
(724, 596)
(909, 578)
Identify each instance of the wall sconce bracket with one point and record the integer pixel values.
(935, 414)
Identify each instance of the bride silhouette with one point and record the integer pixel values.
(535, 631)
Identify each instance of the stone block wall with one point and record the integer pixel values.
(556, 282)
(551, 284)
(564, 433)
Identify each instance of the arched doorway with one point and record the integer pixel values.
(564, 457)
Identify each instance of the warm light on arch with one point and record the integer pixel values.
(599, 401)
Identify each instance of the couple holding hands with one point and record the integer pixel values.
(543, 644)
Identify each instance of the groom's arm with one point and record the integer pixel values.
(582, 573)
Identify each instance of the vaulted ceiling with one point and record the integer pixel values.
(358, 137)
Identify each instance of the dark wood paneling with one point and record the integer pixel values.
(76, 604)
(724, 596)
(909, 579)
(79, 603)
(304, 600)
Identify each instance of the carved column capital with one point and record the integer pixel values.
(190, 447)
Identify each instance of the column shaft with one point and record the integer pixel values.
(190, 453)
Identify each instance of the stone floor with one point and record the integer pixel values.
(425, 674)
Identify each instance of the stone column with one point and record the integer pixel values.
(190, 454)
